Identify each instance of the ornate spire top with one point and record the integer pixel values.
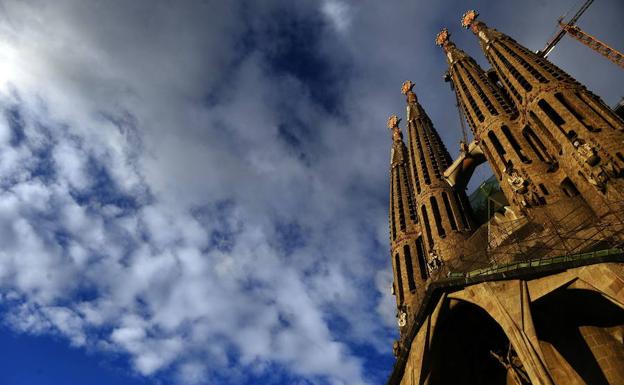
(406, 90)
(407, 87)
(442, 38)
(468, 18)
(393, 124)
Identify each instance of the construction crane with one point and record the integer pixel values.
(585, 38)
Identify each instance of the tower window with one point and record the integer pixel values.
(607, 114)
(481, 92)
(569, 188)
(422, 261)
(413, 161)
(544, 131)
(449, 211)
(552, 115)
(410, 269)
(400, 201)
(513, 71)
(500, 150)
(532, 70)
(515, 145)
(422, 161)
(535, 143)
(399, 278)
(410, 202)
(559, 96)
(437, 217)
(543, 188)
(475, 108)
(392, 219)
(425, 218)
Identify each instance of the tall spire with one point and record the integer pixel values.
(444, 212)
(407, 250)
(523, 166)
(569, 120)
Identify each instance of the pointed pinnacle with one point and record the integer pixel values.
(442, 37)
(407, 87)
(468, 18)
(393, 122)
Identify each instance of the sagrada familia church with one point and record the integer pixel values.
(532, 290)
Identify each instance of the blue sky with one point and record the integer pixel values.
(196, 192)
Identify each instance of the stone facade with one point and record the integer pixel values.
(533, 299)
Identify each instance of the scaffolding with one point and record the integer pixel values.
(564, 229)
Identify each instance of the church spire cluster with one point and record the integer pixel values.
(557, 153)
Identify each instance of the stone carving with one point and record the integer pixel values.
(402, 319)
(406, 89)
(586, 152)
(396, 349)
(524, 191)
(518, 184)
(434, 262)
(393, 122)
(468, 18)
(442, 37)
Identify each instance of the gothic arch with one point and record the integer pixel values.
(460, 348)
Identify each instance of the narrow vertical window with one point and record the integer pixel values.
(392, 218)
(543, 188)
(400, 200)
(399, 278)
(561, 99)
(515, 145)
(500, 150)
(422, 261)
(449, 211)
(544, 131)
(536, 144)
(425, 217)
(437, 217)
(410, 268)
(552, 115)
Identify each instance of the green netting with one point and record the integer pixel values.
(490, 191)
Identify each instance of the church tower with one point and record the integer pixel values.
(541, 301)
(443, 211)
(523, 166)
(568, 120)
(407, 250)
